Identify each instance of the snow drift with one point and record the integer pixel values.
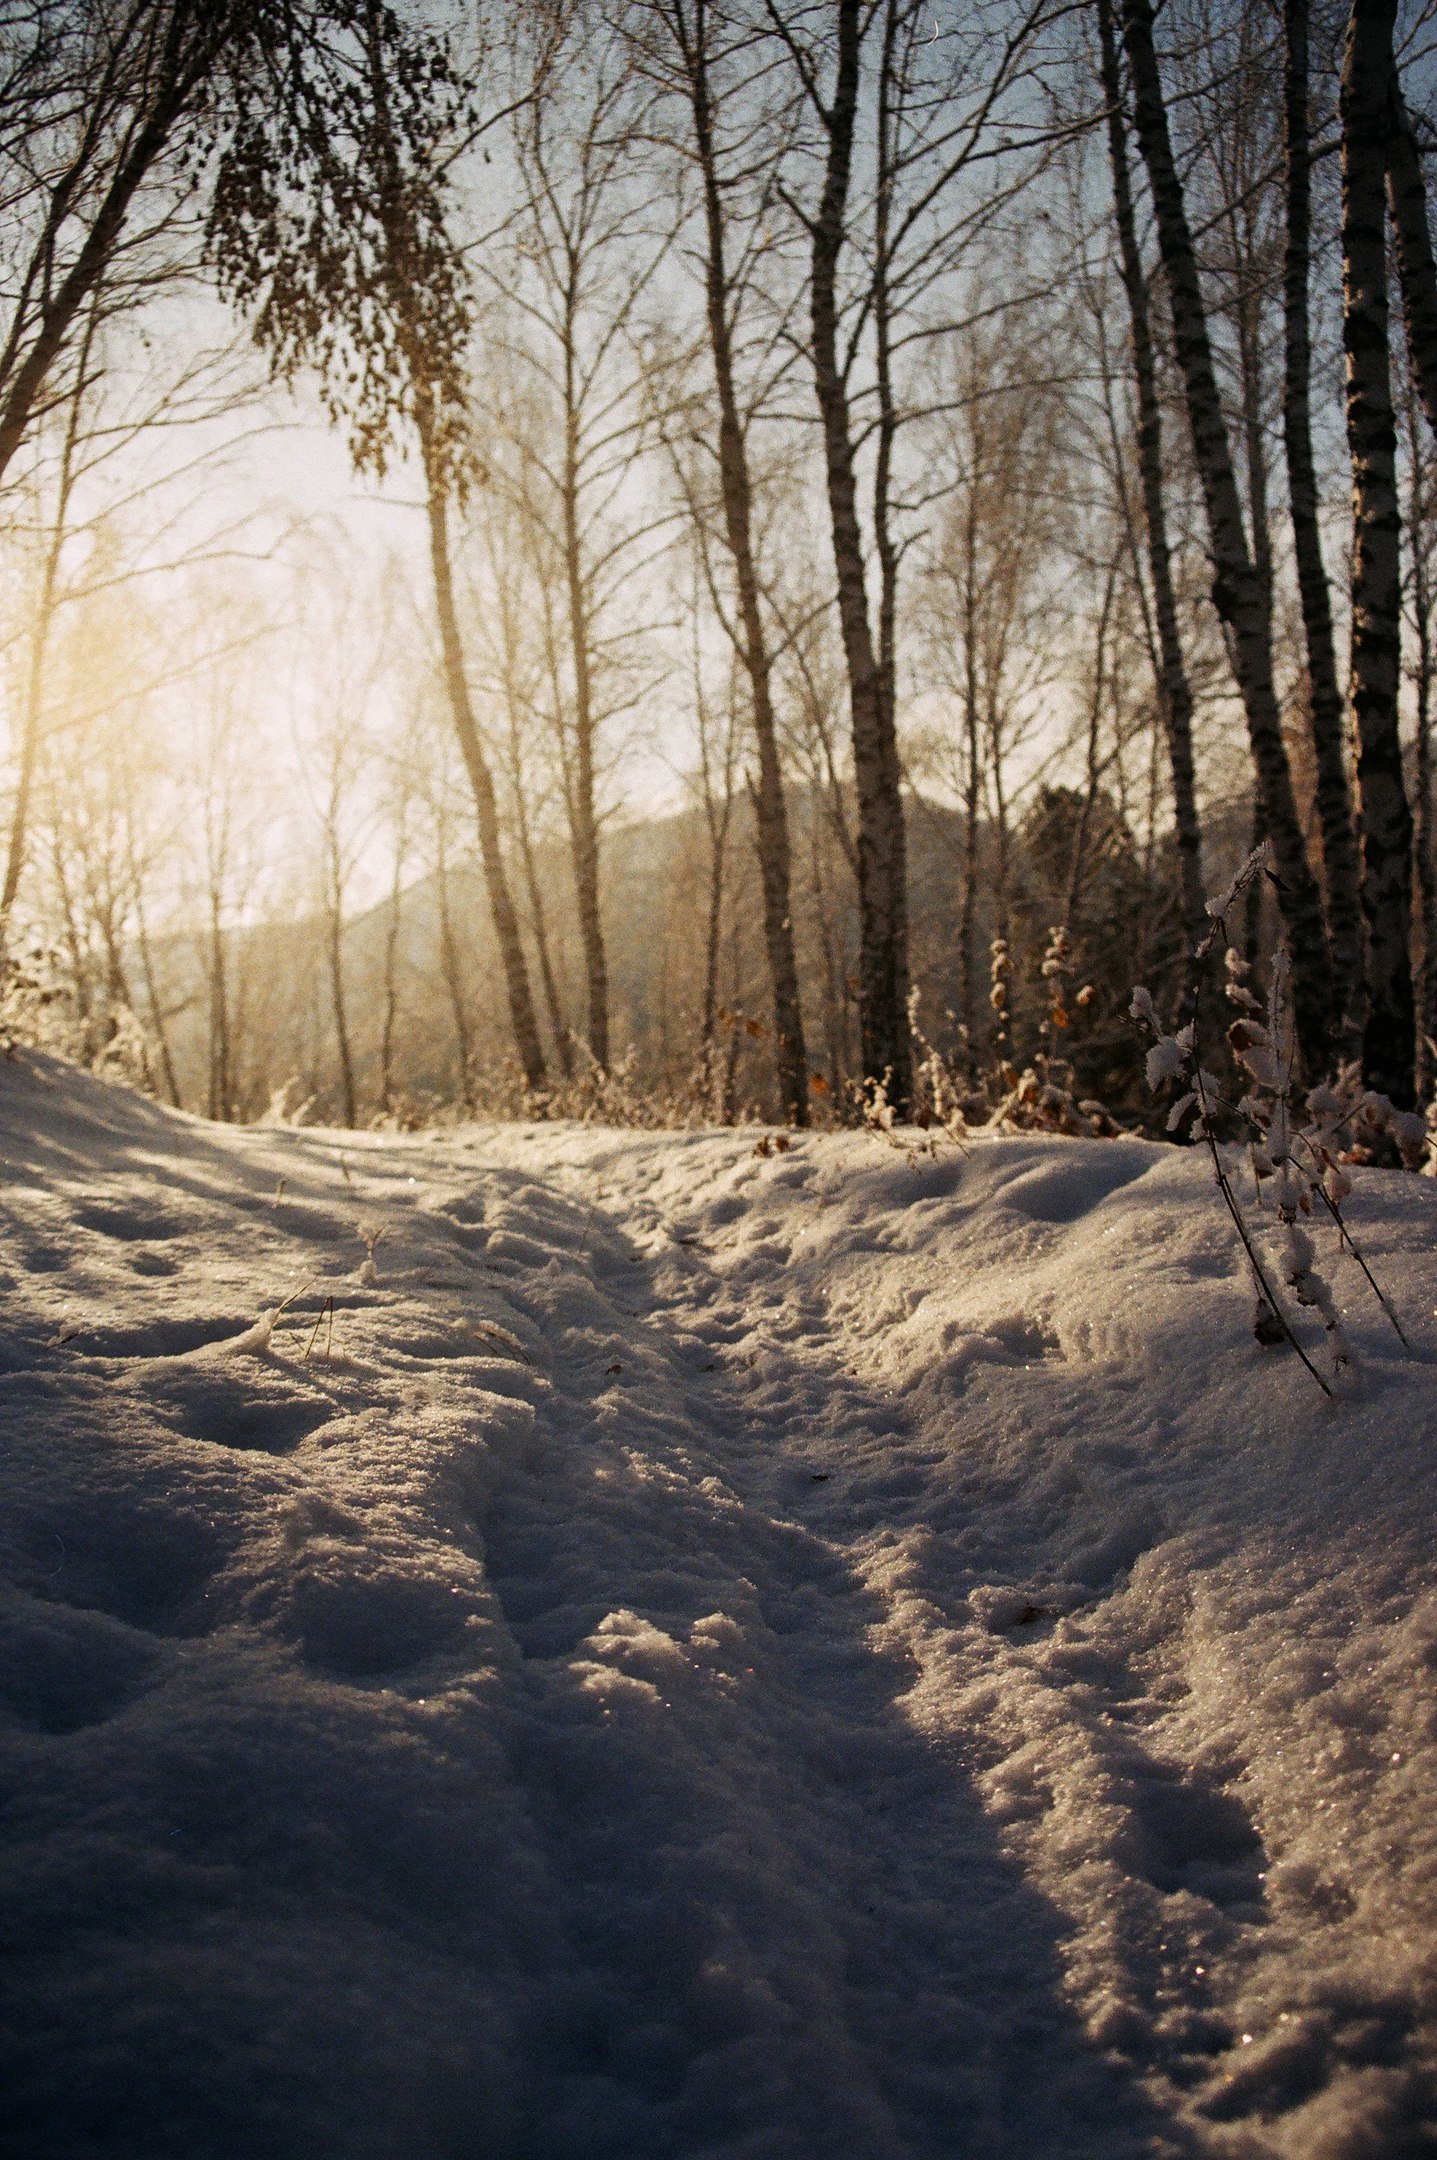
(699, 1653)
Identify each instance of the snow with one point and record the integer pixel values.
(836, 1652)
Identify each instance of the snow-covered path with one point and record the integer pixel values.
(884, 1978)
(752, 1656)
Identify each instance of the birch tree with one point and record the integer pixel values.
(693, 58)
(1238, 590)
(1174, 686)
(1389, 1035)
(1326, 715)
(576, 269)
(1407, 195)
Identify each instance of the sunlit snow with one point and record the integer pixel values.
(827, 1655)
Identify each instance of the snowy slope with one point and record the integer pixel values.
(823, 1654)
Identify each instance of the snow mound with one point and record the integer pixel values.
(692, 1653)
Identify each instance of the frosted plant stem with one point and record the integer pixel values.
(283, 1307)
(1264, 1286)
(1377, 1290)
(326, 1307)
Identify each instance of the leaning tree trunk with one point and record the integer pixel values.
(152, 994)
(177, 75)
(219, 1016)
(334, 953)
(1389, 1042)
(506, 922)
(389, 1019)
(1326, 717)
(583, 817)
(1237, 588)
(882, 901)
(401, 242)
(44, 622)
(558, 1025)
(29, 741)
(1174, 688)
(770, 808)
(453, 973)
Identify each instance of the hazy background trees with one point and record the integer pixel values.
(602, 554)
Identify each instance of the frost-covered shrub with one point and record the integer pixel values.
(592, 1095)
(288, 1106)
(405, 1112)
(1298, 1157)
(942, 1100)
(42, 1009)
(1041, 1099)
(1044, 1096)
(1078, 863)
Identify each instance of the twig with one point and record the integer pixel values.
(1377, 1290)
(285, 1303)
(1265, 1289)
(326, 1308)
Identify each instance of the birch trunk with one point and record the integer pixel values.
(401, 240)
(583, 817)
(1093, 771)
(219, 1017)
(1407, 194)
(148, 971)
(390, 1014)
(334, 954)
(1326, 717)
(453, 973)
(882, 898)
(1389, 1041)
(539, 924)
(972, 793)
(501, 904)
(1407, 200)
(1237, 588)
(1422, 598)
(885, 547)
(1174, 688)
(770, 807)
